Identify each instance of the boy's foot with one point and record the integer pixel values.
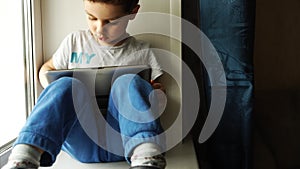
(20, 165)
(147, 156)
(23, 156)
(155, 162)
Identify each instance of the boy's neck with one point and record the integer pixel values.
(123, 38)
(118, 42)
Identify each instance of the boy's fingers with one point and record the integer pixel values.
(158, 86)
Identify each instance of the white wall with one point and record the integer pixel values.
(60, 17)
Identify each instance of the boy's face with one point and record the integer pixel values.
(107, 22)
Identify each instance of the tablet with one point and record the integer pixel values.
(99, 79)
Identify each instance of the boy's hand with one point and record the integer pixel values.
(157, 85)
(46, 66)
(161, 96)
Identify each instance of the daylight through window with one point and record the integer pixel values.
(12, 86)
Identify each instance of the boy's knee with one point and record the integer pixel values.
(125, 77)
(129, 79)
(66, 83)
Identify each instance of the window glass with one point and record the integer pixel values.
(12, 74)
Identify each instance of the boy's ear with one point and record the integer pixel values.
(134, 12)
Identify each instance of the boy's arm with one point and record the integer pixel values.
(46, 66)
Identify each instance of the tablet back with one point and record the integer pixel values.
(99, 79)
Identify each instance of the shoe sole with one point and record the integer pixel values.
(144, 167)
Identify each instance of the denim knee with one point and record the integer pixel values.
(66, 82)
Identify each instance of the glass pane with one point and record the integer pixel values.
(12, 84)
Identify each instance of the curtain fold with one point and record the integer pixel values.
(229, 25)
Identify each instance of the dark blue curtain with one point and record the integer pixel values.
(229, 24)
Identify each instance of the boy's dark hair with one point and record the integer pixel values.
(127, 4)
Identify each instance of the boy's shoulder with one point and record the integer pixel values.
(138, 43)
(79, 34)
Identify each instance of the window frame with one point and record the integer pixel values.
(33, 59)
(34, 49)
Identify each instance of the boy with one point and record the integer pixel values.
(66, 118)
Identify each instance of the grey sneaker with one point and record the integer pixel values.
(155, 162)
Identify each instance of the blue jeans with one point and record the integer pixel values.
(66, 116)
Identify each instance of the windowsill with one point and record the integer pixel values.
(180, 157)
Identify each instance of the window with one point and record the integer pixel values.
(12, 71)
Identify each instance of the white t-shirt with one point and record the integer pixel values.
(80, 50)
